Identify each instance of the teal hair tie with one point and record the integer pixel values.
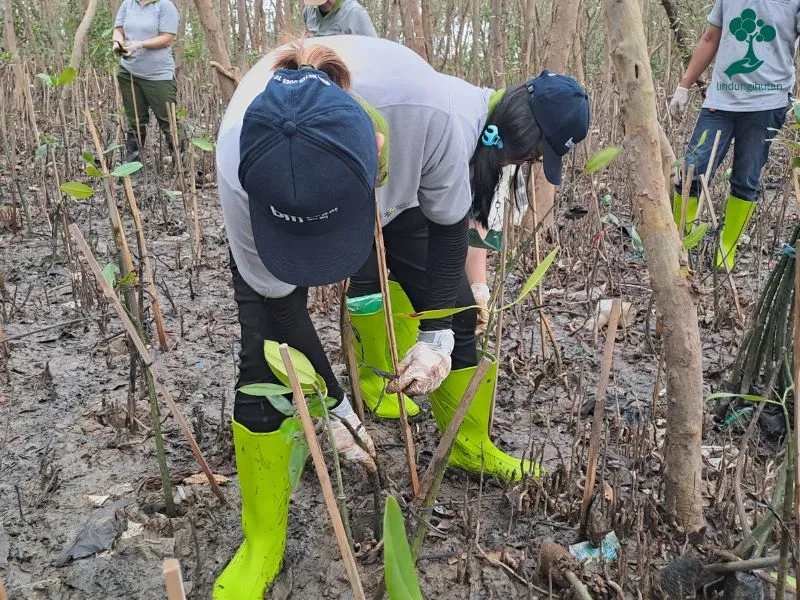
(491, 137)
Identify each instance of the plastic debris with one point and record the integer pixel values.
(585, 552)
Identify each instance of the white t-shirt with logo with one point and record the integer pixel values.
(754, 68)
(428, 154)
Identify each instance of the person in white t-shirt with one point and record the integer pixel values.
(754, 42)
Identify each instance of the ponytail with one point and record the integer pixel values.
(318, 57)
(520, 138)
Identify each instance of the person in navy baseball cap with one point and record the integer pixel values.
(309, 230)
(561, 109)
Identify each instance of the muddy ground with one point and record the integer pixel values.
(63, 439)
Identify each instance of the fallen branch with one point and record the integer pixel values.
(322, 473)
(147, 359)
(744, 565)
(234, 73)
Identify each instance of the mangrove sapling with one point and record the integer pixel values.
(398, 563)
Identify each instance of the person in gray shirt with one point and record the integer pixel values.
(144, 31)
(754, 42)
(336, 17)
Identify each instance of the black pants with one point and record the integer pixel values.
(286, 320)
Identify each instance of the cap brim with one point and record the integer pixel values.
(314, 260)
(552, 165)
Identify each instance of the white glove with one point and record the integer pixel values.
(119, 48)
(482, 296)
(425, 366)
(343, 439)
(679, 101)
(132, 47)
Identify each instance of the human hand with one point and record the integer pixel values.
(132, 47)
(679, 101)
(426, 365)
(482, 295)
(119, 48)
(344, 441)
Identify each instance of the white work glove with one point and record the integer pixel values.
(679, 101)
(119, 48)
(132, 47)
(343, 439)
(425, 366)
(482, 296)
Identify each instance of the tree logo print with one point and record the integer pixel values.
(747, 27)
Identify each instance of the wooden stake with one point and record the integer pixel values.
(346, 330)
(599, 409)
(3, 595)
(685, 192)
(147, 274)
(173, 579)
(322, 473)
(796, 354)
(147, 359)
(499, 295)
(383, 275)
(706, 176)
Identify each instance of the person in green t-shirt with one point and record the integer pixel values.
(337, 17)
(754, 42)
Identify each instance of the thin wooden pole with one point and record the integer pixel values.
(383, 275)
(600, 409)
(796, 355)
(144, 257)
(346, 329)
(173, 579)
(322, 473)
(498, 332)
(147, 359)
(704, 190)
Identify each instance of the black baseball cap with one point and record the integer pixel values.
(309, 163)
(561, 109)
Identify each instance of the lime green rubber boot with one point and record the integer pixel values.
(372, 350)
(737, 215)
(405, 330)
(691, 210)
(262, 462)
(473, 450)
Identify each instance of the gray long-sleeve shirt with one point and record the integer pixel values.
(346, 17)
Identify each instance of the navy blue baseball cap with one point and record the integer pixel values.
(561, 109)
(309, 164)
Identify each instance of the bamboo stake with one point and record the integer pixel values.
(147, 359)
(685, 192)
(346, 330)
(599, 409)
(706, 176)
(383, 275)
(796, 355)
(147, 274)
(173, 579)
(498, 332)
(322, 474)
(3, 595)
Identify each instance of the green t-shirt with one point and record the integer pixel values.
(754, 68)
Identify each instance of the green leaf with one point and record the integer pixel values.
(45, 79)
(265, 389)
(297, 460)
(603, 158)
(172, 194)
(306, 374)
(637, 241)
(87, 157)
(398, 564)
(127, 280)
(749, 397)
(695, 237)
(204, 145)
(67, 76)
(438, 313)
(796, 162)
(702, 140)
(93, 171)
(41, 151)
(315, 405)
(111, 148)
(77, 190)
(536, 277)
(110, 273)
(796, 107)
(610, 218)
(126, 169)
(290, 428)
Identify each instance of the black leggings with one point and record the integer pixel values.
(286, 320)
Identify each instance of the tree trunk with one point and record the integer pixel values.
(80, 34)
(561, 40)
(394, 8)
(427, 30)
(675, 298)
(22, 90)
(412, 27)
(259, 27)
(241, 22)
(526, 6)
(496, 55)
(225, 22)
(53, 31)
(476, 39)
(177, 47)
(685, 46)
(216, 47)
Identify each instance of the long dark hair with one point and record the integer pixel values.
(521, 136)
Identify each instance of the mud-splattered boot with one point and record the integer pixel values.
(262, 462)
(133, 147)
(737, 215)
(473, 450)
(691, 210)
